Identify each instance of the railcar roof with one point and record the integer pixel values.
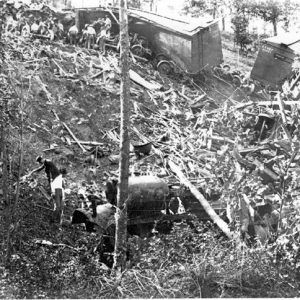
(179, 25)
(290, 40)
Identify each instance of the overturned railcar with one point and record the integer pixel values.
(191, 46)
(276, 55)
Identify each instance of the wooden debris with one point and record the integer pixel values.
(141, 81)
(215, 218)
(74, 137)
(45, 194)
(89, 143)
(267, 103)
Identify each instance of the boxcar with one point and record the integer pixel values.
(273, 64)
(191, 46)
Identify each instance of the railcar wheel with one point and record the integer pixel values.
(237, 80)
(218, 71)
(164, 67)
(159, 57)
(226, 68)
(137, 50)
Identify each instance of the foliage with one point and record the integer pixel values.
(240, 22)
(240, 25)
(195, 8)
(48, 262)
(134, 4)
(241, 7)
(269, 11)
(196, 262)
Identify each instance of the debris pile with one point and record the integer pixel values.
(221, 144)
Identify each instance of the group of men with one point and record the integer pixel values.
(89, 36)
(51, 28)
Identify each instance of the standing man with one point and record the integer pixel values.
(73, 33)
(90, 37)
(34, 29)
(55, 182)
(101, 39)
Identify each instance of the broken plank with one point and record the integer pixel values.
(205, 204)
(97, 74)
(73, 136)
(220, 138)
(139, 57)
(267, 103)
(89, 143)
(141, 81)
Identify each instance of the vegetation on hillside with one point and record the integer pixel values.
(210, 128)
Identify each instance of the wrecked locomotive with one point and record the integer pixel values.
(149, 196)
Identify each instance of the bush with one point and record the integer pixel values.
(188, 262)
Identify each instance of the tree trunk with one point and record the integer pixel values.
(4, 164)
(223, 23)
(275, 26)
(121, 214)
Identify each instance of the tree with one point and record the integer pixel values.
(241, 12)
(121, 214)
(134, 4)
(269, 11)
(240, 27)
(289, 7)
(194, 7)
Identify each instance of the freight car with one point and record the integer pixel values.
(273, 67)
(273, 64)
(175, 43)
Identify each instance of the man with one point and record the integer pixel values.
(42, 28)
(34, 27)
(90, 37)
(61, 28)
(25, 30)
(56, 184)
(101, 39)
(73, 33)
(107, 24)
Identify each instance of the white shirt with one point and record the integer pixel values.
(34, 27)
(103, 32)
(91, 30)
(73, 29)
(107, 23)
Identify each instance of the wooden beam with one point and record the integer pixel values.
(205, 204)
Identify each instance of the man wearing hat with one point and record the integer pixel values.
(56, 184)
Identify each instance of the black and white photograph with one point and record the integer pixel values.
(149, 149)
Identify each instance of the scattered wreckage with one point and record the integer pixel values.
(195, 138)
